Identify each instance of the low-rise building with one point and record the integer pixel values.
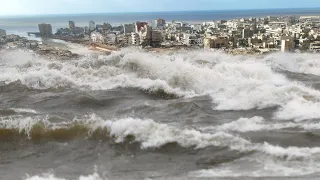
(97, 37)
(111, 38)
(315, 46)
(189, 39)
(216, 42)
(12, 38)
(196, 27)
(78, 31)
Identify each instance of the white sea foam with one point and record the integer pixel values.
(234, 83)
(299, 109)
(261, 167)
(23, 124)
(23, 110)
(44, 177)
(252, 124)
(260, 124)
(297, 63)
(257, 123)
(50, 176)
(153, 135)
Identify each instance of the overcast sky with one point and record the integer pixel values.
(19, 7)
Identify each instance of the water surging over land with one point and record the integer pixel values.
(215, 115)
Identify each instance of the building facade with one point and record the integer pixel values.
(139, 26)
(287, 43)
(156, 38)
(45, 30)
(128, 28)
(97, 37)
(216, 42)
(2, 32)
(72, 25)
(92, 26)
(135, 38)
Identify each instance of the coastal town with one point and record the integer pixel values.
(254, 35)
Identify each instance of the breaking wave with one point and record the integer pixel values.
(234, 83)
(51, 176)
(148, 133)
(12, 111)
(262, 167)
(257, 123)
(296, 63)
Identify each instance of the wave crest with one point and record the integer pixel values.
(234, 83)
(147, 133)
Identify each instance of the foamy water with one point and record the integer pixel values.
(156, 111)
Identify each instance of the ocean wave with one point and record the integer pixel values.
(258, 123)
(261, 167)
(296, 63)
(51, 176)
(148, 133)
(234, 83)
(13, 111)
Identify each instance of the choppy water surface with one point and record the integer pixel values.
(138, 115)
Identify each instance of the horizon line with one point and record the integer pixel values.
(173, 11)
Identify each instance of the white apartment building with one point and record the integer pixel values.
(97, 37)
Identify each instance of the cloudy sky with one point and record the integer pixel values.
(19, 7)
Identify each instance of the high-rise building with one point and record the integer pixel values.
(106, 27)
(140, 25)
(92, 26)
(287, 43)
(145, 35)
(72, 25)
(156, 38)
(247, 33)
(254, 25)
(2, 32)
(160, 22)
(128, 28)
(45, 30)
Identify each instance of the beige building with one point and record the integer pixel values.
(216, 42)
(145, 34)
(287, 43)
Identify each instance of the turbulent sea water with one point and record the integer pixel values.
(141, 115)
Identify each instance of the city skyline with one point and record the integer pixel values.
(38, 7)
